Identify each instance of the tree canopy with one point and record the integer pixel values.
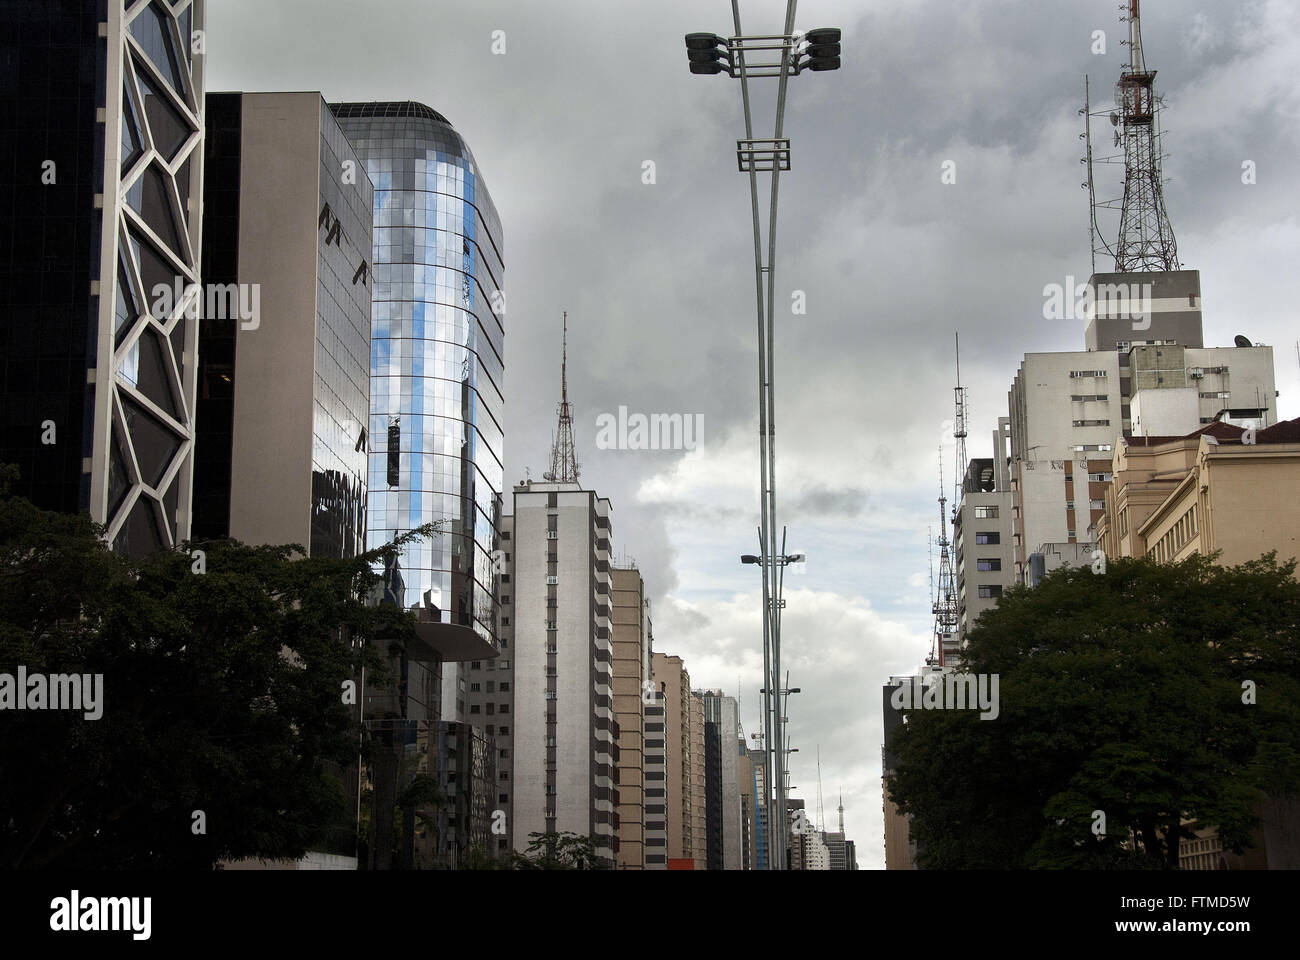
(223, 695)
(1153, 694)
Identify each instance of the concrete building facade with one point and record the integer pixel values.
(564, 746)
(983, 552)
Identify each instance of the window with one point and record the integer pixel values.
(473, 708)
(503, 730)
(503, 798)
(505, 621)
(988, 563)
(504, 708)
(475, 687)
(475, 665)
(989, 591)
(504, 686)
(505, 598)
(987, 537)
(503, 664)
(491, 686)
(986, 513)
(1092, 423)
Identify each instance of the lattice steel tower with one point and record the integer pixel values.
(945, 600)
(1146, 240)
(564, 458)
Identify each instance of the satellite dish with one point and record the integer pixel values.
(1114, 119)
(1242, 341)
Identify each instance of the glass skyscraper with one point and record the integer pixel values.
(436, 362)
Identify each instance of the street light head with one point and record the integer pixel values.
(707, 53)
(796, 558)
(822, 50)
(703, 41)
(749, 558)
(795, 690)
(820, 35)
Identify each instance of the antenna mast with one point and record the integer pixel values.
(564, 461)
(960, 418)
(821, 816)
(945, 600)
(1146, 239)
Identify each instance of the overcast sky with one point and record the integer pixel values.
(658, 278)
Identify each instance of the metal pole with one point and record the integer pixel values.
(771, 422)
(763, 551)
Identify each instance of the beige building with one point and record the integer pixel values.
(630, 628)
(684, 738)
(1207, 491)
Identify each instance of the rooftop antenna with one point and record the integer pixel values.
(945, 598)
(1146, 239)
(821, 817)
(962, 415)
(564, 461)
(841, 811)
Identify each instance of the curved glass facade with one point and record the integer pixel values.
(436, 362)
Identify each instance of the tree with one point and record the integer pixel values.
(559, 851)
(1124, 696)
(224, 720)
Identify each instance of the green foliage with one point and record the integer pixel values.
(559, 851)
(1121, 693)
(222, 692)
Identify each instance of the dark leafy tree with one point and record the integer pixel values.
(223, 693)
(1120, 695)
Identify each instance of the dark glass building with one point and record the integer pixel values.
(99, 259)
(436, 361)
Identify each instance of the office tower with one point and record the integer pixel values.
(565, 741)
(102, 113)
(722, 789)
(982, 545)
(435, 432)
(684, 739)
(631, 636)
(284, 380)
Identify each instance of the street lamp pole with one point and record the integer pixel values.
(711, 54)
